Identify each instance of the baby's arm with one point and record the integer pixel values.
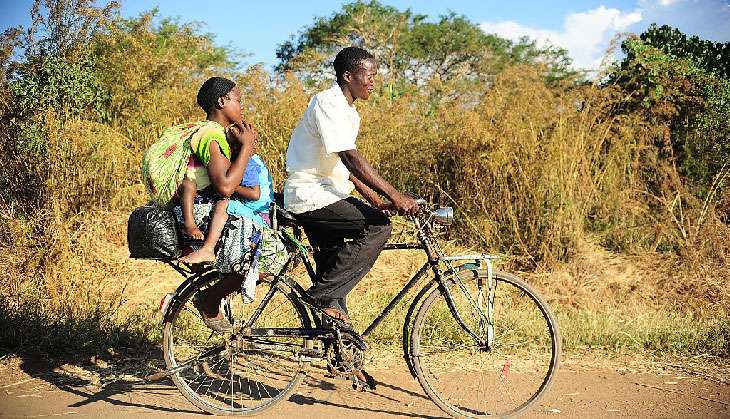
(248, 193)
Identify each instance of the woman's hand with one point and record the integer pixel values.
(244, 134)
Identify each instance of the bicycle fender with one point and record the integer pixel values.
(409, 320)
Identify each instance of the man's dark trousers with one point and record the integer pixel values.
(347, 238)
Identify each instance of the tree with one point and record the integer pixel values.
(411, 48)
(713, 57)
(679, 84)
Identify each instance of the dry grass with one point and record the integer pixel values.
(535, 172)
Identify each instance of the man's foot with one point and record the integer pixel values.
(364, 381)
(201, 255)
(337, 315)
(212, 315)
(193, 231)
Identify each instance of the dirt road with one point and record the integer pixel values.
(33, 388)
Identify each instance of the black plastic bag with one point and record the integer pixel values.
(152, 234)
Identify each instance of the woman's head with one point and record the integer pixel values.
(356, 69)
(220, 99)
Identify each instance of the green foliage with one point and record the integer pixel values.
(713, 57)
(412, 49)
(56, 76)
(153, 72)
(54, 82)
(48, 83)
(667, 78)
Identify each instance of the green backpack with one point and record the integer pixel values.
(165, 162)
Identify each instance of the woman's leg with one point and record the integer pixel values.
(210, 298)
(217, 222)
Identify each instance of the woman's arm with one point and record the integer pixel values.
(226, 175)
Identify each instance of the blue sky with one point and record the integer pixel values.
(584, 28)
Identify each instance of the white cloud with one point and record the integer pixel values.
(585, 35)
(708, 19)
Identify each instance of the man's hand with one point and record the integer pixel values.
(404, 204)
(386, 208)
(244, 134)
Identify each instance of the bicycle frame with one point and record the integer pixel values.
(434, 262)
(426, 242)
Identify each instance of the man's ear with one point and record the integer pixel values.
(347, 76)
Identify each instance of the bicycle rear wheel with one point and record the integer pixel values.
(468, 379)
(235, 377)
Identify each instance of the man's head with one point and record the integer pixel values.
(219, 95)
(356, 69)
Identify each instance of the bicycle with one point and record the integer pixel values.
(479, 341)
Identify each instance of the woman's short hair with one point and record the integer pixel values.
(349, 59)
(211, 90)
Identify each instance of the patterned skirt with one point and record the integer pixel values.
(233, 251)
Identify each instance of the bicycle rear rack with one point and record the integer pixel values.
(491, 286)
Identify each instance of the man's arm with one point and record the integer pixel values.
(367, 192)
(361, 169)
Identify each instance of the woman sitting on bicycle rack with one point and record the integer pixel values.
(225, 153)
(323, 168)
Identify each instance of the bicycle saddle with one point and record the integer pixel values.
(283, 217)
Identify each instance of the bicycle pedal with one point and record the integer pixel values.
(362, 381)
(355, 338)
(336, 375)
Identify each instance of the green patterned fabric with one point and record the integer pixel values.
(273, 252)
(165, 162)
(201, 147)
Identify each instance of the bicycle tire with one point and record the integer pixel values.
(482, 388)
(261, 395)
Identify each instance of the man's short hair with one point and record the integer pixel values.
(349, 59)
(211, 90)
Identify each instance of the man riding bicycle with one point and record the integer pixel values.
(324, 166)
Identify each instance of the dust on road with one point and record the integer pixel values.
(36, 388)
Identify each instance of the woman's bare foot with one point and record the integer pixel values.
(193, 231)
(201, 255)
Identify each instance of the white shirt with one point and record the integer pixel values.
(317, 176)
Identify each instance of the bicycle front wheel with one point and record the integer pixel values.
(507, 368)
(224, 374)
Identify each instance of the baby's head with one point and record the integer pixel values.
(220, 95)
